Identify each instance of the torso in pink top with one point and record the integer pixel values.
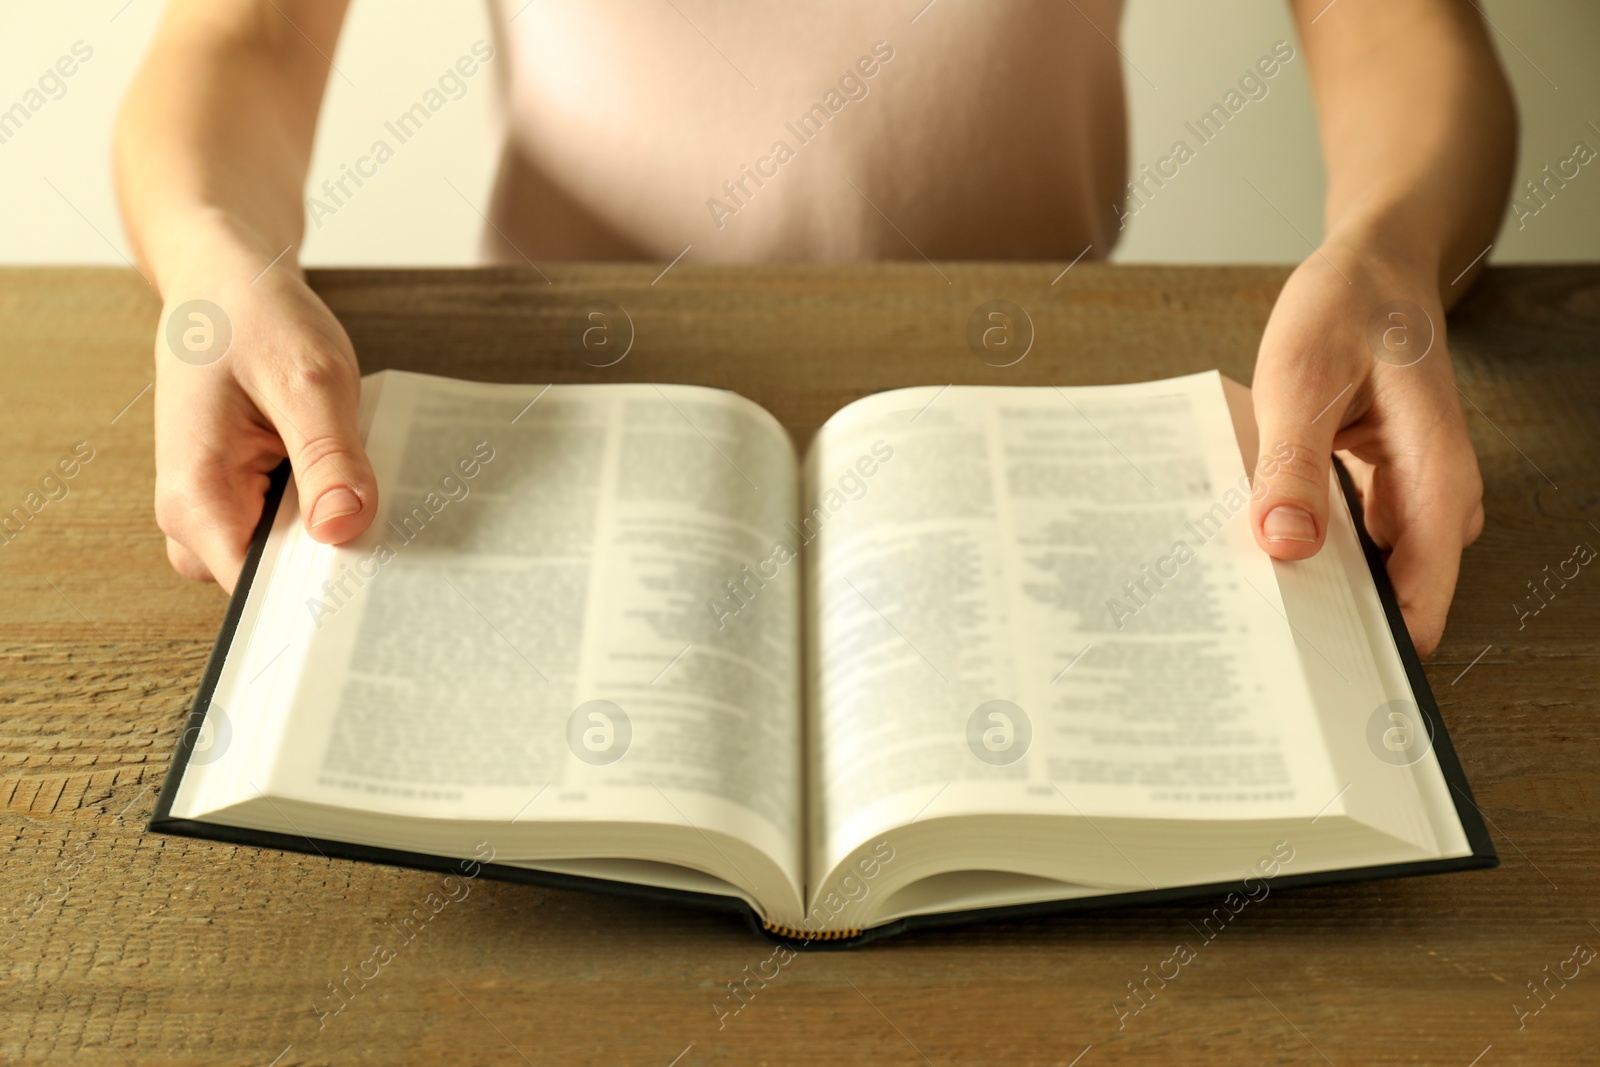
(831, 130)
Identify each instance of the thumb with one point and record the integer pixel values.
(316, 418)
(1289, 509)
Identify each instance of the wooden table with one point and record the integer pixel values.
(123, 947)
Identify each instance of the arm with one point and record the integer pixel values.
(1419, 134)
(211, 150)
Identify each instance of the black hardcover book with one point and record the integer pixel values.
(981, 654)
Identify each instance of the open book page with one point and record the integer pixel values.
(1375, 734)
(524, 634)
(1049, 603)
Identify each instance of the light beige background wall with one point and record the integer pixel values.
(1193, 52)
(1251, 195)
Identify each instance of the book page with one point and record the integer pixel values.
(1358, 679)
(525, 634)
(1049, 602)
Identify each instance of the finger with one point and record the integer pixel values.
(1363, 476)
(209, 515)
(1428, 512)
(312, 404)
(187, 563)
(1423, 569)
(1474, 524)
(1299, 406)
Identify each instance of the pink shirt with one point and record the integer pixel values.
(829, 130)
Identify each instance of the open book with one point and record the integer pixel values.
(983, 648)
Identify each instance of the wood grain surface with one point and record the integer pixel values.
(124, 947)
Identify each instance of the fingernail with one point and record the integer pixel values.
(1284, 523)
(334, 504)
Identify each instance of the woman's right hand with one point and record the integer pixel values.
(228, 410)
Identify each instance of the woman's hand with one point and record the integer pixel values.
(228, 410)
(211, 152)
(1342, 367)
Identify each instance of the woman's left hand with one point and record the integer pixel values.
(1354, 360)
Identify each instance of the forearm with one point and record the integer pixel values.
(1418, 131)
(215, 136)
